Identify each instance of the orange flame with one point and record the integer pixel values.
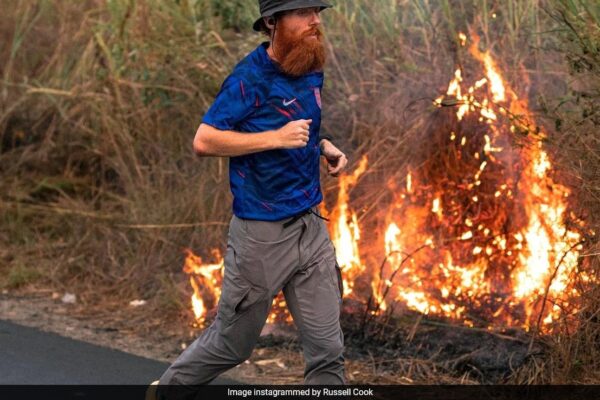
(345, 232)
(205, 279)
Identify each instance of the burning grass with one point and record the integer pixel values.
(481, 232)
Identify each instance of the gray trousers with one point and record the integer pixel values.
(263, 258)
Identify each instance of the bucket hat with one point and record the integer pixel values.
(268, 8)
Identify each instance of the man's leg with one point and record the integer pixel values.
(260, 257)
(230, 339)
(314, 298)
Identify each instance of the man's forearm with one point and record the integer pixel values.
(210, 141)
(322, 143)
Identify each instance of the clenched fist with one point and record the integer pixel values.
(294, 134)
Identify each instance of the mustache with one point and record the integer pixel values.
(317, 32)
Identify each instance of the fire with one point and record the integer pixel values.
(205, 279)
(481, 235)
(488, 244)
(346, 233)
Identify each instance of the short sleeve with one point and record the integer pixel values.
(235, 101)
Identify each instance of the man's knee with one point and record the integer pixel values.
(240, 349)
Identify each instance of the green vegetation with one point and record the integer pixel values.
(20, 275)
(99, 102)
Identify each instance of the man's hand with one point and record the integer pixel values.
(336, 160)
(294, 134)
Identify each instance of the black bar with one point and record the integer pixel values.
(437, 392)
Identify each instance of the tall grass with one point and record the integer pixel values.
(99, 102)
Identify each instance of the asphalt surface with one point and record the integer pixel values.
(29, 356)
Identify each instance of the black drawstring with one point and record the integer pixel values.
(303, 213)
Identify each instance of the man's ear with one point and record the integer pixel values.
(269, 22)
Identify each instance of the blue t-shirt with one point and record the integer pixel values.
(257, 97)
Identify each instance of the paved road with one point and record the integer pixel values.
(30, 356)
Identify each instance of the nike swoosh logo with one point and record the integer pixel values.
(287, 103)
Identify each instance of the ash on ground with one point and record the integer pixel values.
(487, 357)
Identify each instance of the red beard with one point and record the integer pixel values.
(299, 55)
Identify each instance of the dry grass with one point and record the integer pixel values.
(100, 191)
